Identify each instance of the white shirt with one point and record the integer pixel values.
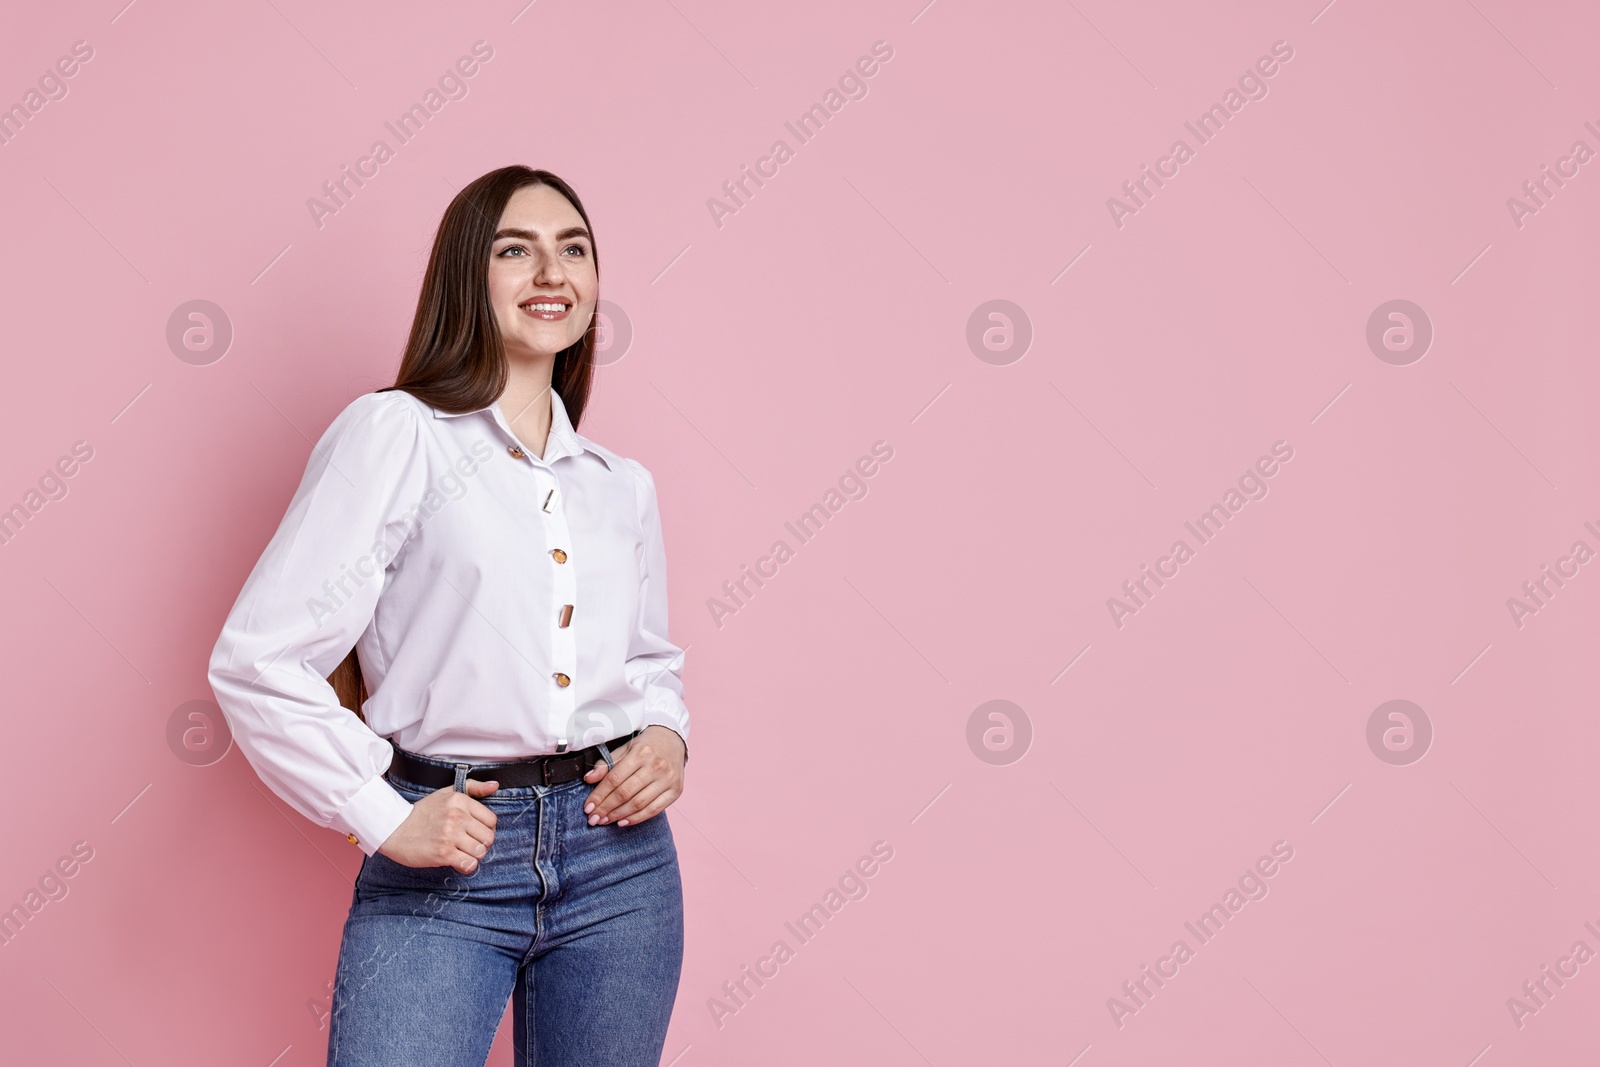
(433, 544)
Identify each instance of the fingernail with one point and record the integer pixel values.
(622, 822)
(593, 819)
(588, 809)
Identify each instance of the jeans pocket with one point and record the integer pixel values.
(381, 876)
(426, 890)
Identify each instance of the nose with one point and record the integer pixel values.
(548, 270)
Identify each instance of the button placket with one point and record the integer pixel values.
(564, 590)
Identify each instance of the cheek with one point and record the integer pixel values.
(583, 314)
(584, 281)
(504, 283)
(588, 294)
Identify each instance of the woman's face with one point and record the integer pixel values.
(541, 255)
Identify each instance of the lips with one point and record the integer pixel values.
(547, 309)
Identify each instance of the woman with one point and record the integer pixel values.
(485, 591)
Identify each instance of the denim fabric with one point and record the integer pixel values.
(580, 926)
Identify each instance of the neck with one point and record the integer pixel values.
(525, 402)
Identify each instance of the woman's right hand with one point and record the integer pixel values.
(445, 829)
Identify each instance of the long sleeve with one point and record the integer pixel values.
(654, 663)
(308, 600)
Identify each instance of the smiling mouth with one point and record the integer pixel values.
(547, 310)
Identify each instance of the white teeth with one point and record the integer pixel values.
(545, 307)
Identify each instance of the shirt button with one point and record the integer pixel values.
(352, 839)
(560, 556)
(562, 680)
(566, 616)
(516, 453)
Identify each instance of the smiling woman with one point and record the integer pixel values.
(507, 283)
(515, 848)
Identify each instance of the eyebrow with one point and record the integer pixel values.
(533, 235)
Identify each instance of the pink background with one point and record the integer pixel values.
(830, 312)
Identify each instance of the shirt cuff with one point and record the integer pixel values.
(656, 718)
(375, 812)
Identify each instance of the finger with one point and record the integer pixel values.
(632, 796)
(476, 788)
(604, 780)
(600, 770)
(665, 799)
(649, 813)
(636, 808)
(482, 813)
(473, 846)
(475, 832)
(600, 794)
(620, 784)
(608, 779)
(464, 862)
(651, 801)
(465, 820)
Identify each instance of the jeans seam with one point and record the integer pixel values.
(530, 1054)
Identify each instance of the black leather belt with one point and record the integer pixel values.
(548, 770)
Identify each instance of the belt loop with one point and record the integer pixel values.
(461, 777)
(605, 750)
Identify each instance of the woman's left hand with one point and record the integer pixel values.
(647, 776)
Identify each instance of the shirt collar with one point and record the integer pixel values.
(563, 439)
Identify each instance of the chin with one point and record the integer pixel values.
(543, 347)
(535, 354)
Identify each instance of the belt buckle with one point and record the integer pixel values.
(549, 762)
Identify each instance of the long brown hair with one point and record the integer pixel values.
(455, 358)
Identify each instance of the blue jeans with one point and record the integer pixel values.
(580, 926)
